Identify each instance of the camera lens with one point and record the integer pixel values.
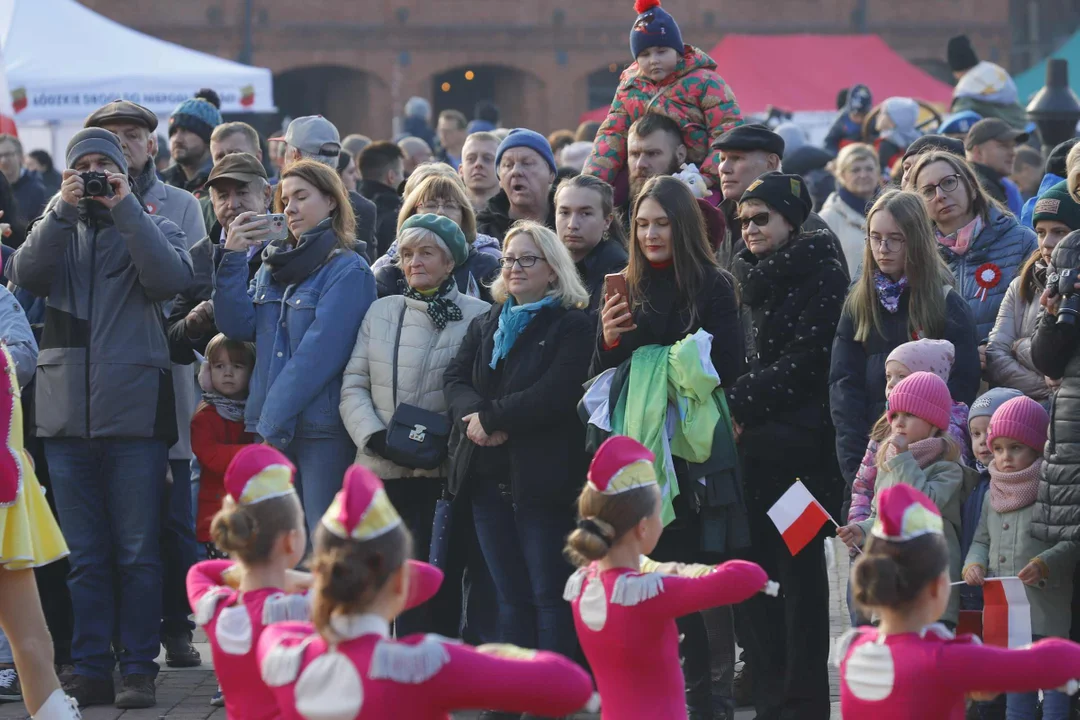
(94, 187)
(1069, 311)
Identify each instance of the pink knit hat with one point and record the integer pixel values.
(923, 395)
(934, 356)
(1021, 419)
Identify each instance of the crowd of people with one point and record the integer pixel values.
(543, 392)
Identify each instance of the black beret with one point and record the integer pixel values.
(928, 143)
(122, 111)
(751, 137)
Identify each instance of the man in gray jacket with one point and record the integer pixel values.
(104, 405)
(135, 126)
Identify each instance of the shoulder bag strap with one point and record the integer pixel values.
(397, 344)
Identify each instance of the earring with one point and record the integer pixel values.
(606, 235)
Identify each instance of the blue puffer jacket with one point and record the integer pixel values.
(1049, 180)
(303, 333)
(1003, 242)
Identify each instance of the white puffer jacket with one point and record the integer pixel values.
(849, 226)
(367, 389)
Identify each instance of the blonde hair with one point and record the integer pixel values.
(567, 287)
(249, 532)
(1072, 172)
(441, 187)
(328, 182)
(926, 272)
(851, 154)
(603, 519)
(429, 169)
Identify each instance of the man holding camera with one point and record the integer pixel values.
(104, 405)
(135, 126)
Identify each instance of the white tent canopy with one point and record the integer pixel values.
(64, 61)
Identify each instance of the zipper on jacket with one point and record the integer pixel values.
(90, 321)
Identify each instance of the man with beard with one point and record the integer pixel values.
(655, 147)
(746, 153)
(190, 128)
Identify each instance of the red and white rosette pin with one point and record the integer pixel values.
(987, 276)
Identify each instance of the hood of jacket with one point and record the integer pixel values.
(806, 255)
(988, 82)
(693, 59)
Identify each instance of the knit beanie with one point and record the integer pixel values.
(787, 194)
(958, 123)
(96, 140)
(654, 27)
(523, 137)
(1056, 161)
(445, 229)
(1021, 419)
(961, 55)
(859, 99)
(934, 356)
(923, 395)
(1057, 204)
(198, 115)
(987, 404)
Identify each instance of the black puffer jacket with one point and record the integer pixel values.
(606, 258)
(532, 396)
(794, 297)
(857, 375)
(1054, 351)
(480, 267)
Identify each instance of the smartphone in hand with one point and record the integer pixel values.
(614, 283)
(279, 230)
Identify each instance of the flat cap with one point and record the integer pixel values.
(240, 167)
(751, 137)
(122, 111)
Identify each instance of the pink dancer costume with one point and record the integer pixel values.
(912, 676)
(364, 674)
(626, 620)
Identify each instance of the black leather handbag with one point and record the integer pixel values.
(415, 438)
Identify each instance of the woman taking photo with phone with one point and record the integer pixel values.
(303, 312)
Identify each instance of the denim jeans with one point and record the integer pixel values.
(523, 549)
(1023, 706)
(178, 552)
(109, 494)
(320, 468)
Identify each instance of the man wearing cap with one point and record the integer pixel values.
(983, 86)
(190, 127)
(747, 152)
(135, 126)
(847, 128)
(991, 149)
(313, 137)
(526, 169)
(104, 406)
(237, 186)
(959, 124)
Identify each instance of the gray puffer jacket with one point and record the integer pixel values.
(103, 369)
(1003, 243)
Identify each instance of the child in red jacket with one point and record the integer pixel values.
(217, 430)
(672, 79)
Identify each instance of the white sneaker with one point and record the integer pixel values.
(59, 707)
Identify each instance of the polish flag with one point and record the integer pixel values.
(1006, 613)
(798, 517)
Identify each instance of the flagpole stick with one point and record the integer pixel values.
(837, 525)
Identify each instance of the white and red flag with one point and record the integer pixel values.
(798, 517)
(1006, 613)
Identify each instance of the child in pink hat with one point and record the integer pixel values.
(1004, 546)
(921, 453)
(909, 668)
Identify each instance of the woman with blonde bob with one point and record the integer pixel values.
(518, 448)
(303, 312)
(858, 177)
(443, 194)
(419, 332)
(903, 293)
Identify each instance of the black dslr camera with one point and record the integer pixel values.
(96, 184)
(1064, 284)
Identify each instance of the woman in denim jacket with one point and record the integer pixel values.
(303, 311)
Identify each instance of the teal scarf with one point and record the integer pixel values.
(512, 322)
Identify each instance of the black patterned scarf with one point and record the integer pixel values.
(440, 307)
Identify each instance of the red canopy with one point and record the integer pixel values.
(801, 73)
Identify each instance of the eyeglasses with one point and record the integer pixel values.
(761, 220)
(436, 206)
(885, 243)
(525, 261)
(947, 185)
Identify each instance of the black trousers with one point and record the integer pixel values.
(414, 499)
(787, 637)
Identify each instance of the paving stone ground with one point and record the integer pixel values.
(184, 694)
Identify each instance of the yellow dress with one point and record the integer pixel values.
(29, 534)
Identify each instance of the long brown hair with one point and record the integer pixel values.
(1030, 287)
(690, 250)
(926, 272)
(981, 203)
(328, 182)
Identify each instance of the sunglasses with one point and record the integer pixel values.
(761, 220)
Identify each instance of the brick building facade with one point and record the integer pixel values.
(542, 61)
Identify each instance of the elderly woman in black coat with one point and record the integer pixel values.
(793, 287)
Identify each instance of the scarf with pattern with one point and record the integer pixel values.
(960, 241)
(441, 309)
(228, 409)
(1015, 490)
(888, 291)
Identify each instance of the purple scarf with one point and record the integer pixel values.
(888, 291)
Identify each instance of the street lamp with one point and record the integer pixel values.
(1055, 109)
